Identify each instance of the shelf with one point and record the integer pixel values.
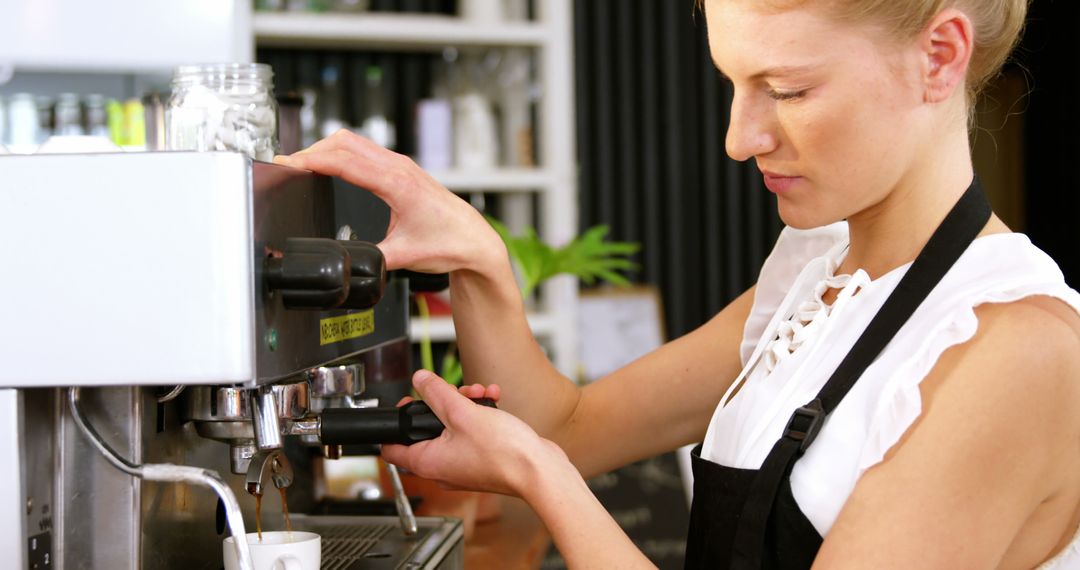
(388, 31)
(500, 180)
(441, 329)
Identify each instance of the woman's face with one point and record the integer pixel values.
(832, 114)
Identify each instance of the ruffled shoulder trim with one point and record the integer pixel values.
(997, 271)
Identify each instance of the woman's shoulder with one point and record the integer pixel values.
(1000, 268)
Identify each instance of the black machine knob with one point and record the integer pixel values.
(319, 274)
(367, 281)
(310, 273)
(412, 423)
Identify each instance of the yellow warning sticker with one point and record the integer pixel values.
(345, 327)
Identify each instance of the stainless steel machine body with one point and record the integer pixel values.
(134, 276)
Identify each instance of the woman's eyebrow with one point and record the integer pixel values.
(777, 71)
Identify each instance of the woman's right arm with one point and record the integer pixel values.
(655, 404)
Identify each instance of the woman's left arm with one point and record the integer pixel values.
(997, 438)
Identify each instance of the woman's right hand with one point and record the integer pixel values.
(431, 230)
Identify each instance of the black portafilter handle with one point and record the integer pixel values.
(412, 423)
(425, 282)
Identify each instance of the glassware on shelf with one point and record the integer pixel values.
(3, 119)
(97, 119)
(331, 98)
(23, 127)
(67, 116)
(223, 107)
(376, 125)
(476, 139)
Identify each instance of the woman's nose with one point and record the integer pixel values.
(750, 131)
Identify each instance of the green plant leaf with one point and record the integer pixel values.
(588, 257)
(451, 368)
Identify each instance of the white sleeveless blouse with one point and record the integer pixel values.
(793, 342)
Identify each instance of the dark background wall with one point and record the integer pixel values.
(652, 114)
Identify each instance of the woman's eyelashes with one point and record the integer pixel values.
(785, 95)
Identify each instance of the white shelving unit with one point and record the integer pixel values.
(390, 31)
(554, 183)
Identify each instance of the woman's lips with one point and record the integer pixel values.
(778, 184)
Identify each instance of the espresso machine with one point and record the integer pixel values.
(180, 332)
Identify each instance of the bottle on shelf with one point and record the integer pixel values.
(476, 142)
(3, 120)
(97, 118)
(45, 116)
(331, 99)
(435, 124)
(68, 116)
(376, 124)
(22, 124)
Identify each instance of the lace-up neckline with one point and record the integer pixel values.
(810, 316)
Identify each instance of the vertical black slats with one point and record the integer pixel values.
(628, 186)
(412, 85)
(755, 222)
(586, 124)
(602, 72)
(693, 242)
(675, 263)
(649, 86)
(733, 215)
(712, 158)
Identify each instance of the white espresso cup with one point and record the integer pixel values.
(278, 550)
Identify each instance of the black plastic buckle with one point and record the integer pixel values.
(805, 424)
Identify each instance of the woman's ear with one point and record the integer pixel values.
(946, 48)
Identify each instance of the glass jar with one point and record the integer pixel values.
(223, 107)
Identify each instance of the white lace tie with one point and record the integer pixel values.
(809, 317)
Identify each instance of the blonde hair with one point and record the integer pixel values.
(997, 25)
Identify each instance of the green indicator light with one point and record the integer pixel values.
(271, 339)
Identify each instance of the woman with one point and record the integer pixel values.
(957, 445)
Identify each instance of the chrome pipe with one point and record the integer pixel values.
(171, 473)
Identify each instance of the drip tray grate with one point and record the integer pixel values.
(342, 545)
(377, 543)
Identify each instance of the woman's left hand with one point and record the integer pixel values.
(480, 449)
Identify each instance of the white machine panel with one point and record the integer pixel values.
(126, 269)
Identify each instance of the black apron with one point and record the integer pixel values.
(747, 518)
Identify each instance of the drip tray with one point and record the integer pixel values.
(378, 543)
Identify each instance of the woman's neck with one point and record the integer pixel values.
(894, 231)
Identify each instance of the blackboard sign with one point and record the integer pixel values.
(648, 501)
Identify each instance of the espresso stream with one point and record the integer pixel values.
(284, 511)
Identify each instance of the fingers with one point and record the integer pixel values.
(369, 163)
(398, 455)
(373, 175)
(477, 391)
(442, 398)
(472, 391)
(404, 401)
